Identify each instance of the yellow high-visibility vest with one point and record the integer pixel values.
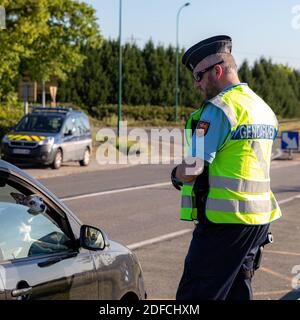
(239, 176)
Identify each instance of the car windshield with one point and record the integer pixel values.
(40, 123)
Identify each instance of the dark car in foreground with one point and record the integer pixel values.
(47, 253)
(49, 136)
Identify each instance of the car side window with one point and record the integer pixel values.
(26, 226)
(69, 125)
(85, 124)
(82, 125)
(79, 126)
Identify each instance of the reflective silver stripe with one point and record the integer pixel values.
(186, 202)
(255, 145)
(255, 206)
(217, 101)
(274, 203)
(240, 185)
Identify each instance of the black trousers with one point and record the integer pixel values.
(216, 255)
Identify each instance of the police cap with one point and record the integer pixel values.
(207, 47)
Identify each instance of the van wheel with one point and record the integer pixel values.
(86, 158)
(57, 160)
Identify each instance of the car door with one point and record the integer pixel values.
(39, 256)
(84, 136)
(80, 147)
(69, 139)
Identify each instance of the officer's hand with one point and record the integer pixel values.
(176, 183)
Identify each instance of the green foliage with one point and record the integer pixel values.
(138, 113)
(44, 38)
(277, 84)
(9, 116)
(61, 38)
(149, 79)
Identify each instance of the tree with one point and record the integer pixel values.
(135, 91)
(245, 73)
(43, 38)
(149, 79)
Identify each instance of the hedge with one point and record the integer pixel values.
(140, 113)
(10, 115)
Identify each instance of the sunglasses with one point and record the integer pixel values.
(199, 75)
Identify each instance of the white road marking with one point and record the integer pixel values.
(155, 185)
(162, 238)
(286, 253)
(289, 199)
(102, 193)
(159, 238)
(182, 232)
(284, 164)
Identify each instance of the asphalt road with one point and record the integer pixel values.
(137, 204)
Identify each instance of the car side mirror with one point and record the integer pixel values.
(12, 128)
(92, 238)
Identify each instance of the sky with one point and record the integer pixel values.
(269, 28)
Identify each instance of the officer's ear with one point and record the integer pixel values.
(218, 71)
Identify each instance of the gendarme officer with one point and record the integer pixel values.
(230, 196)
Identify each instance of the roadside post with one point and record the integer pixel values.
(290, 141)
(27, 91)
(53, 92)
(2, 18)
(26, 94)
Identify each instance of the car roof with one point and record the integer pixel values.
(47, 111)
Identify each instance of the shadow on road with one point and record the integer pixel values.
(29, 166)
(25, 166)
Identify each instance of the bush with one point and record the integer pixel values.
(9, 116)
(105, 115)
(154, 114)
